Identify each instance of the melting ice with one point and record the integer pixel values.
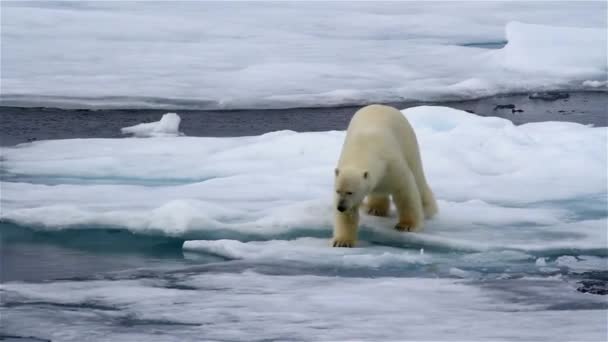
(538, 186)
(168, 126)
(522, 218)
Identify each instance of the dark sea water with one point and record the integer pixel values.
(21, 124)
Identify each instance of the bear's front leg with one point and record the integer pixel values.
(345, 228)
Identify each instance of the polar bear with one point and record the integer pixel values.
(380, 158)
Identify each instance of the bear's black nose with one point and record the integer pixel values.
(341, 208)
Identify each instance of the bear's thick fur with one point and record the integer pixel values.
(380, 158)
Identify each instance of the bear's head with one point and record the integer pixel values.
(351, 186)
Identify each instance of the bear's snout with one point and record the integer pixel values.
(341, 207)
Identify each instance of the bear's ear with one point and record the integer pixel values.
(365, 175)
(336, 171)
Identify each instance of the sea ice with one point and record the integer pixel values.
(537, 187)
(209, 55)
(168, 126)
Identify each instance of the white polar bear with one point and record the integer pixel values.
(380, 158)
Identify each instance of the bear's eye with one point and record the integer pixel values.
(349, 193)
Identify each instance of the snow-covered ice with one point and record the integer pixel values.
(533, 48)
(250, 306)
(595, 84)
(534, 187)
(247, 54)
(312, 251)
(168, 126)
(522, 217)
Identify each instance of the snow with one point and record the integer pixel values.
(499, 187)
(168, 126)
(533, 48)
(251, 306)
(245, 55)
(582, 263)
(595, 84)
(308, 251)
(541, 262)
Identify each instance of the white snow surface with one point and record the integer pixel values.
(168, 126)
(301, 250)
(534, 187)
(285, 54)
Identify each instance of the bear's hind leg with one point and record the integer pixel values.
(378, 205)
(428, 203)
(409, 204)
